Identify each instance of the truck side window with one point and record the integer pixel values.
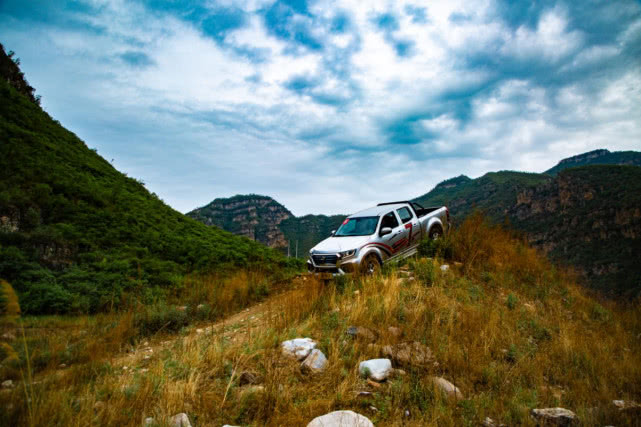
(389, 220)
(404, 214)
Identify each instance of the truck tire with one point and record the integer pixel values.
(370, 265)
(436, 232)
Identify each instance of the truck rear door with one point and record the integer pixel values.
(410, 224)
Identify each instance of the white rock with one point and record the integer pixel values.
(445, 267)
(298, 347)
(341, 419)
(7, 384)
(555, 416)
(376, 369)
(447, 387)
(180, 420)
(316, 361)
(199, 331)
(149, 421)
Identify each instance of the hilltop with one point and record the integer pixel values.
(76, 235)
(598, 157)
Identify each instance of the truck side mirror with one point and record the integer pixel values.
(333, 232)
(385, 231)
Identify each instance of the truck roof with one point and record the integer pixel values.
(379, 209)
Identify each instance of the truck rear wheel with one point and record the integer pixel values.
(370, 265)
(436, 232)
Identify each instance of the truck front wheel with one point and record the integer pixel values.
(370, 265)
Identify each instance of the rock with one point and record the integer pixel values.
(248, 378)
(398, 372)
(200, 307)
(394, 331)
(62, 366)
(409, 353)
(7, 384)
(357, 292)
(149, 421)
(99, 406)
(200, 331)
(407, 413)
(376, 369)
(8, 336)
(626, 405)
(341, 419)
(529, 307)
(360, 332)
(373, 408)
(554, 416)
(447, 387)
(298, 347)
(364, 394)
(315, 362)
(488, 422)
(180, 420)
(445, 267)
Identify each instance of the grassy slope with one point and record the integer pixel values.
(88, 235)
(510, 330)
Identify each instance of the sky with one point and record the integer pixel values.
(330, 107)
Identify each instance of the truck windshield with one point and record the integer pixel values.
(363, 226)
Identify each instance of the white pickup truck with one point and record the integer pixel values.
(369, 238)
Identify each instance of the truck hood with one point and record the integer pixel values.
(339, 244)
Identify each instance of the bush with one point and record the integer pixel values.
(160, 317)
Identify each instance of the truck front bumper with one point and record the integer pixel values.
(341, 267)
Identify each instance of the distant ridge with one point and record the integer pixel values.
(598, 157)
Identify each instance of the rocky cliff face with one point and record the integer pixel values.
(589, 217)
(253, 216)
(598, 157)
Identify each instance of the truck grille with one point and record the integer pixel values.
(325, 259)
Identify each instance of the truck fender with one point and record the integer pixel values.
(376, 251)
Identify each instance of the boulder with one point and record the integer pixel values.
(409, 353)
(180, 420)
(360, 332)
(554, 416)
(315, 362)
(298, 347)
(376, 369)
(447, 388)
(341, 419)
(627, 405)
(7, 384)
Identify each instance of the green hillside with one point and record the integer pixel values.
(598, 157)
(493, 193)
(76, 235)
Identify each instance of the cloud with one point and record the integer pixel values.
(329, 106)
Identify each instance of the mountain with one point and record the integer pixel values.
(598, 157)
(253, 216)
(76, 235)
(264, 220)
(588, 217)
(584, 216)
(494, 193)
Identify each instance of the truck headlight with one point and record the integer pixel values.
(347, 254)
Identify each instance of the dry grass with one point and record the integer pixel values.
(510, 330)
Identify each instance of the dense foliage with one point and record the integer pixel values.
(308, 230)
(76, 235)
